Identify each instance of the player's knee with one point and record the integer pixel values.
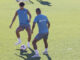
(17, 31)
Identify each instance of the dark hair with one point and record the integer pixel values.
(21, 4)
(38, 10)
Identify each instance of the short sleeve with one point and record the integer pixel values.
(35, 20)
(47, 19)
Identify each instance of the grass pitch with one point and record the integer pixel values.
(64, 37)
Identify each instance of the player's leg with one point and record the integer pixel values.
(18, 34)
(28, 29)
(34, 44)
(37, 38)
(46, 44)
(35, 48)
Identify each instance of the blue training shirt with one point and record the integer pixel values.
(41, 20)
(23, 17)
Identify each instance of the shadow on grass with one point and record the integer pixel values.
(28, 56)
(49, 58)
(31, 2)
(44, 2)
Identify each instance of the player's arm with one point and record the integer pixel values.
(34, 23)
(29, 16)
(13, 20)
(33, 26)
(48, 24)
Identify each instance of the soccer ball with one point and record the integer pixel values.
(23, 47)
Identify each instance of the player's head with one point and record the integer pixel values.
(21, 4)
(38, 11)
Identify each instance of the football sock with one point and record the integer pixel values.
(28, 44)
(19, 40)
(36, 52)
(46, 49)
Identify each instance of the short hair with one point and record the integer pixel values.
(38, 10)
(21, 4)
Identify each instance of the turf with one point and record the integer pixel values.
(64, 35)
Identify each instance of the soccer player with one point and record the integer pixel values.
(24, 22)
(43, 25)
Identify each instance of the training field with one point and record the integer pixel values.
(64, 36)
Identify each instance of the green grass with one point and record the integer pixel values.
(64, 37)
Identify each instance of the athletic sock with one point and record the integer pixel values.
(36, 52)
(46, 49)
(28, 44)
(19, 40)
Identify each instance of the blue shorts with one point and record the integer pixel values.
(25, 26)
(42, 36)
